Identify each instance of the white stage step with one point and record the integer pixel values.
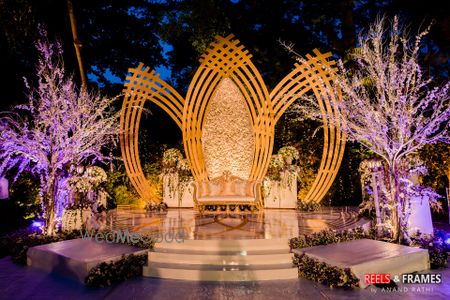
(222, 260)
(225, 245)
(75, 258)
(217, 275)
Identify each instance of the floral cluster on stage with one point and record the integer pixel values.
(171, 157)
(176, 173)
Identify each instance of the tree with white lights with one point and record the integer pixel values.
(59, 128)
(389, 105)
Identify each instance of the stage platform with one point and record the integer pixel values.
(202, 247)
(367, 256)
(229, 247)
(74, 258)
(265, 224)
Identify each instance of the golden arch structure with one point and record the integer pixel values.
(227, 58)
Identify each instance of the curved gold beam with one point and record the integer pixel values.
(143, 85)
(315, 74)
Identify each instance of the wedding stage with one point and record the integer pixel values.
(219, 246)
(232, 199)
(228, 119)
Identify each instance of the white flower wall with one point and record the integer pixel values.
(228, 137)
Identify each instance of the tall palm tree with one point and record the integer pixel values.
(76, 42)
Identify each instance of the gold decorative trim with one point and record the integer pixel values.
(226, 58)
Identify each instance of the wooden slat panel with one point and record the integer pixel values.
(143, 85)
(312, 76)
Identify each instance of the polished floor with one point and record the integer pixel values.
(266, 224)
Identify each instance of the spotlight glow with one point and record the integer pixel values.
(37, 224)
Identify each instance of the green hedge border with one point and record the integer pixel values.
(312, 269)
(327, 237)
(106, 274)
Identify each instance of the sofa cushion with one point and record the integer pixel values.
(204, 189)
(240, 188)
(215, 188)
(228, 188)
(250, 189)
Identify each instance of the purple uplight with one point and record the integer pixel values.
(37, 224)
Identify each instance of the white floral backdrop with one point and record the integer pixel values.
(228, 137)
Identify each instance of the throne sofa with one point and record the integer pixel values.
(227, 190)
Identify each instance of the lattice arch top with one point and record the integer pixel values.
(228, 59)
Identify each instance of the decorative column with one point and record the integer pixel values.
(281, 193)
(177, 193)
(420, 217)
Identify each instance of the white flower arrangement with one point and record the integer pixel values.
(171, 157)
(177, 170)
(289, 151)
(89, 181)
(276, 162)
(80, 184)
(183, 166)
(97, 175)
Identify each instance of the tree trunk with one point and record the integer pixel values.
(376, 202)
(396, 202)
(48, 199)
(348, 26)
(448, 177)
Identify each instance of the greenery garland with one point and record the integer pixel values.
(178, 171)
(308, 206)
(324, 273)
(315, 270)
(326, 237)
(276, 164)
(436, 246)
(112, 272)
(107, 273)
